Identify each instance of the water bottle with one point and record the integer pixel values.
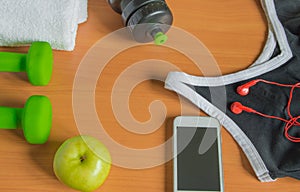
(148, 20)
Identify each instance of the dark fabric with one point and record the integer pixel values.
(281, 156)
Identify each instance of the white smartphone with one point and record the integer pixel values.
(197, 155)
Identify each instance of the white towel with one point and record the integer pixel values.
(55, 21)
(83, 6)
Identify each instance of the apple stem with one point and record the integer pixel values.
(82, 158)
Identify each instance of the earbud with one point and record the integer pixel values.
(244, 89)
(238, 108)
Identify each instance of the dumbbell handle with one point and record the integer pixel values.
(10, 118)
(12, 62)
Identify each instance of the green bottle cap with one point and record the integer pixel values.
(160, 38)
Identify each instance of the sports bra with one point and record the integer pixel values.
(271, 154)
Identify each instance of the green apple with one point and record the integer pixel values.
(82, 163)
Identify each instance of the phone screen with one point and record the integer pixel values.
(198, 161)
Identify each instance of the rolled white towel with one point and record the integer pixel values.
(55, 21)
(83, 15)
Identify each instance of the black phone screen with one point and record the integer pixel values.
(198, 159)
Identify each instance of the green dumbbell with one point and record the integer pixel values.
(37, 63)
(35, 119)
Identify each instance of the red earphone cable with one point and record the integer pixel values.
(278, 84)
(293, 121)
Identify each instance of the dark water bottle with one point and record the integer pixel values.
(148, 20)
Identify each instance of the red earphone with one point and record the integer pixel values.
(238, 108)
(244, 89)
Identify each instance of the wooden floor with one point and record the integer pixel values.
(234, 32)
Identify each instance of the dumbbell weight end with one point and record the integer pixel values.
(35, 119)
(37, 63)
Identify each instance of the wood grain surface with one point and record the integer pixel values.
(234, 32)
